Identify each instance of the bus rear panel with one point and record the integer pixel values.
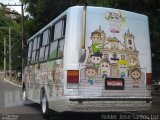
(115, 75)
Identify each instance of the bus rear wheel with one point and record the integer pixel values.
(44, 106)
(24, 97)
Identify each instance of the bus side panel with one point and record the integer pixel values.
(33, 79)
(48, 75)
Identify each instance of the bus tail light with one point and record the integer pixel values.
(148, 81)
(72, 76)
(149, 78)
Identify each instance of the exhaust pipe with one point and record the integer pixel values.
(82, 51)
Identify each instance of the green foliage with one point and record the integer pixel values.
(43, 11)
(5, 23)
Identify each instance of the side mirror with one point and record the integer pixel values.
(82, 55)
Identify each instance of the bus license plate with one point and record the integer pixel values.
(114, 84)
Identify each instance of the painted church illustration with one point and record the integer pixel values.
(109, 57)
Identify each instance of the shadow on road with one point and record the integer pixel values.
(106, 116)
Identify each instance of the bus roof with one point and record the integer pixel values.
(93, 10)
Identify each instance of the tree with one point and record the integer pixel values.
(43, 11)
(16, 37)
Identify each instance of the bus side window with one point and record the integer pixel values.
(29, 52)
(60, 48)
(35, 52)
(33, 59)
(57, 42)
(58, 30)
(53, 50)
(38, 46)
(41, 55)
(45, 46)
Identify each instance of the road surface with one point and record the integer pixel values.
(11, 105)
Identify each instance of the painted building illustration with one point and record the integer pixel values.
(112, 58)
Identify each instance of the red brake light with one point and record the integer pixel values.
(72, 76)
(149, 78)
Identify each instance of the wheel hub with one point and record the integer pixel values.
(24, 95)
(44, 105)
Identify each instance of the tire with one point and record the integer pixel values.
(44, 105)
(24, 96)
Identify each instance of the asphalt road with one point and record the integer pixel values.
(12, 108)
(11, 105)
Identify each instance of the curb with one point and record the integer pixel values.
(12, 83)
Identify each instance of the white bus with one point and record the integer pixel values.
(90, 59)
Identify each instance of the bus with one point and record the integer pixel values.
(90, 59)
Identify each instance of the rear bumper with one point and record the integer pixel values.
(101, 104)
(147, 99)
(109, 104)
